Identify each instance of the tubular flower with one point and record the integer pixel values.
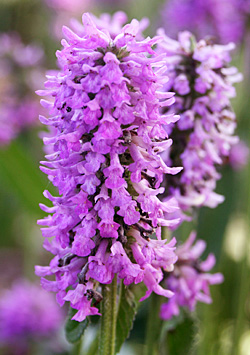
(106, 166)
(203, 136)
(111, 23)
(18, 107)
(190, 279)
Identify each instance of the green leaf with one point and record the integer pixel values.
(171, 324)
(181, 337)
(127, 310)
(73, 329)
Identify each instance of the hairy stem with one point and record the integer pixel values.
(108, 319)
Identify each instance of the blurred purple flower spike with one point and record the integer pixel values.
(226, 20)
(190, 279)
(27, 314)
(204, 135)
(19, 70)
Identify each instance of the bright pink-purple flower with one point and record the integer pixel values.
(106, 165)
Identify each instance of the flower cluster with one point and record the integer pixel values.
(224, 19)
(107, 166)
(27, 313)
(190, 279)
(18, 71)
(203, 136)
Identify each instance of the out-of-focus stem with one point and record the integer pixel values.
(153, 326)
(244, 282)
(77, 348)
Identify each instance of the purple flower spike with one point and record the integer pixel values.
(20, 72)
(189, 281)
(204, 135)
(224, 19)
(108, 136)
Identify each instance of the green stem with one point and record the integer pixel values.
(77, 348)
(108, 319)
(153, 326)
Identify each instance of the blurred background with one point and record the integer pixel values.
(30, 33)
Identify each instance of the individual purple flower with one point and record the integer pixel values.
(190, 280)
(239, 155)
(204, 134)
(106, 165)
(112, 23)
(72, 6)
(226, 20)
(18, 71)
(28, 314)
